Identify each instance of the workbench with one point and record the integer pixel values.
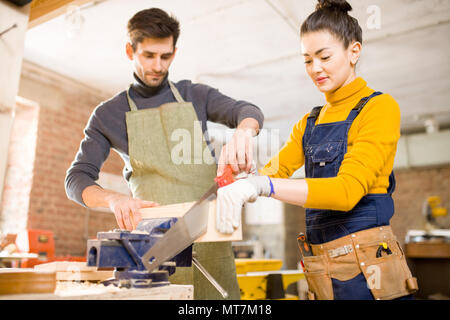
(429, 262)
(87, 291)
(66, 280)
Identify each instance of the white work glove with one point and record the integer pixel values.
(232, 197)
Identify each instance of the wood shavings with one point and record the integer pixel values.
(69, 288)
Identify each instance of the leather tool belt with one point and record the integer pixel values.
(375, 252)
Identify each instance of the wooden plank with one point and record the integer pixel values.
(427, 250)
(84, 276)
(44, 10)
(74, 271)
(179, 209)
(22, 280)
(86, 291)
(170, 292)
(172, 210)
(64, 266)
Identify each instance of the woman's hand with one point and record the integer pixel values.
(232, 197)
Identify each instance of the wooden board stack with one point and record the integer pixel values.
(74, 271)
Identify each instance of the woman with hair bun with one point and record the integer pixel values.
(348, 148)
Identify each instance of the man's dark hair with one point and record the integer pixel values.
(331, 15)
(152, 23)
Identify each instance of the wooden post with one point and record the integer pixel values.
(13, 26)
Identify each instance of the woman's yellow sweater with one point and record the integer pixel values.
(372, 144)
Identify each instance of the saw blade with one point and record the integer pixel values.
(182, 234)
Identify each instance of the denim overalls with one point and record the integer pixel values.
(324, 147)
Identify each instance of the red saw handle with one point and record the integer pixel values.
(226, 178)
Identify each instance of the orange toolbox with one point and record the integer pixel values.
(42, 243)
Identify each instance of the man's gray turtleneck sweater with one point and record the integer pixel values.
(107, 129)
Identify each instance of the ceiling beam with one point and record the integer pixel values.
(285, 16)
(44, 10)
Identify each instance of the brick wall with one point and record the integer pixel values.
(64, 109)
(413, 188)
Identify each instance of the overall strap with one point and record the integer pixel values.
(311, 121)
(357, 109)
(315, 112)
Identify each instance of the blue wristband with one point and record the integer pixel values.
(271, 187)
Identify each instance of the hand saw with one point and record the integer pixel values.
(188, 228)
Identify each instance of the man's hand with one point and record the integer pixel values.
(126, 210)
(124, 207)
(232, 197)
(238, 152)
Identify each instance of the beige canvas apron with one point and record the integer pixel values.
(154, 139)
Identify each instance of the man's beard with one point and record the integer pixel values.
(154, 82)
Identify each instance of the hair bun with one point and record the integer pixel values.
(334, 4)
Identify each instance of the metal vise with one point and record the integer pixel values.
(123, 250)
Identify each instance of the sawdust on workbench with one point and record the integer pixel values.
(70, 288)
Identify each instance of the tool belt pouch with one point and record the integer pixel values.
(318, 277)
(388, 275)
